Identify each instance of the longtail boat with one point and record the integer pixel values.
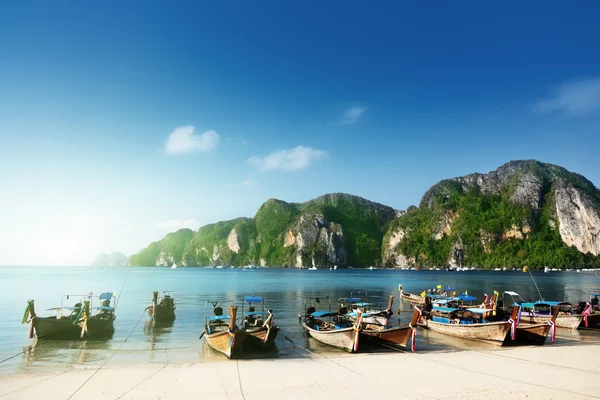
(540, 312)
(467, 323)
(359, 300)
(338, 332)
(82, 320)
(393, 336)
(410, 297)
(258, 326)
(591, 313)
(222, 333)
(533, 333)
(162, 311)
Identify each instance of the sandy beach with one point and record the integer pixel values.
(559, 372)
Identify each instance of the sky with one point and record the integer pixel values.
(122, 121)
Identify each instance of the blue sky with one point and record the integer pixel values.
(120, 122)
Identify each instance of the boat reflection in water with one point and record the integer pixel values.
(65, 352)
(157, 333)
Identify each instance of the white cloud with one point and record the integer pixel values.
(352, 114)
(249, 182)
(183, 140)
(294, 159)
(175, 224)
(573, 99)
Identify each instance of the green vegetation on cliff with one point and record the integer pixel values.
(504, 220)
(523, 213)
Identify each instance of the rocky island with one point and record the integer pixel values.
(523, 213)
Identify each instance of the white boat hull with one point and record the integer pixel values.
(493, 332)
(344, 339)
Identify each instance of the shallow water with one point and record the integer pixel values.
(284, 291)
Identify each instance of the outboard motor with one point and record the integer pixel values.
(428, 304)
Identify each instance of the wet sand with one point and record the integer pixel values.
(548, 372)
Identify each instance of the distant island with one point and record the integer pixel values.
(114, 259)
(523, 213)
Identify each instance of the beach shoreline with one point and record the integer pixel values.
(555, 372)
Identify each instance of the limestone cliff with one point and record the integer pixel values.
(523, 213)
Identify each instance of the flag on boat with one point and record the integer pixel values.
(423, 294)
(439, 286)
(89, 295)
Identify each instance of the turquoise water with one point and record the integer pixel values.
(284, 291)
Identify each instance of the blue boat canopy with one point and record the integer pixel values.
(250, 313)
(540, 303)
(219, 317)
(351, 299)
(354, 315)
(253, 299)
(436, 296)
(475, 310)
(449, 288)
(362, 304)
(105, 308)
(466, 297)
(319, 314)
(445, 309)
(106, 296)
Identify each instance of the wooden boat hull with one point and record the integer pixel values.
(562, 321)
(397, 337)
(223, 343)
(164, 314)
(412, 298)
(345, 339)
(535, 334)
(63, 329)
(492, 332)
(593, 322)
(261, 337)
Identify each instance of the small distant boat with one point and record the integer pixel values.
(313, 268)
(83, 319)
(546, 270)
(174, 266)
(410, 297)
(497, 269)
(162, 311)
(258, 326)
(337, 332)
(219, 267)
(222, 333)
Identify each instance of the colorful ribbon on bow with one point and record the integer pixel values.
(519, 316)
(231, 338)
(552, 331)
(413, 334)
(513, 329)
(586, 312)
(356, 328)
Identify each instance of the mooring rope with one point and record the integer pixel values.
(109, 358)
(330, 360)
(154, 373)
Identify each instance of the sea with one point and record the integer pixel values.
(137, 341)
